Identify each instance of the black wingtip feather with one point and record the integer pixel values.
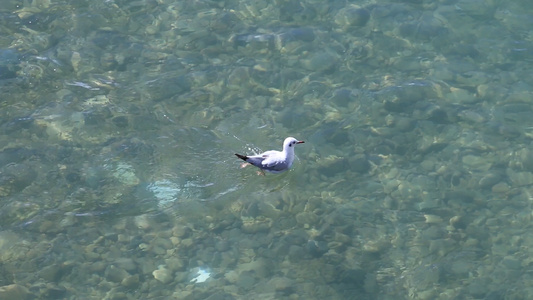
(243, 157)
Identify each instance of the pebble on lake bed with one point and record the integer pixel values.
(162, 274)
(14, 292)
(432, 219)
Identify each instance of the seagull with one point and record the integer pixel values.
(274, 161)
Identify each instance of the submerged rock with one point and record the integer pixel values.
(352, 15)
(115, 274)
(359, 164)
(316, 248)
(332, 165)
(16, 177)
(162, 274)
(320, 61)
(9, 60)
(15, 292)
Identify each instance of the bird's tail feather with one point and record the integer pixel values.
(243, 157)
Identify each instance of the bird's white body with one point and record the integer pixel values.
(274, 161)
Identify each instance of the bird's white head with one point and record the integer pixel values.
(290, 142)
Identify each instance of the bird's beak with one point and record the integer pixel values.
(300, 142)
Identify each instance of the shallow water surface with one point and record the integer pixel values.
(120, 119)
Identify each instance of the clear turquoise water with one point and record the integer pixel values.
(119, 121)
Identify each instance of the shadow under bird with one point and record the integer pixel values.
(274, 161)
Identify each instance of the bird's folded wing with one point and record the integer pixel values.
(272, 161)
(270, 153)
(256, 160)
